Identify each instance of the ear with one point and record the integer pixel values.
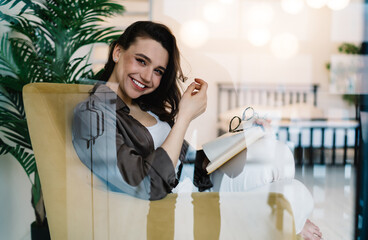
(116, 53)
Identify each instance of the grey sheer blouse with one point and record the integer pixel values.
(119, 149)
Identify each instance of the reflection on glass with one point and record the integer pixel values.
(194, 33)
(337, 4)
(212, 12)
(348, 74)
(292, 6)
(260, 14)
(259, 36)
(284, 45)
(161, 219)
(227, 1)
(316, 3)
(207, 217)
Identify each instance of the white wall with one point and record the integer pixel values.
(16, 212)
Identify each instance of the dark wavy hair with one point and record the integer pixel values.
(165, 99)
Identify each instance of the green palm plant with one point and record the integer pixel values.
(41, 46)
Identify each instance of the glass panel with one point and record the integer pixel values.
(299, 64)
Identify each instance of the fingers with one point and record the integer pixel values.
(203, 84)
(311, 231)
(265, 123)
(197, 86)
(194, 100)
(190, 88)
(312, 236)
(318, 234)
(196, 89)
(315, 229)
(315, 237)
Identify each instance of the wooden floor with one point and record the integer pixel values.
(333, 190)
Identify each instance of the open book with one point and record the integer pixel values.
(225, 147)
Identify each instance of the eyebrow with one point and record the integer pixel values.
(149, 60)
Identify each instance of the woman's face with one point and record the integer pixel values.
(139, 69)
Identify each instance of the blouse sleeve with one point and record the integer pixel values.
(108, 150)
(188, 153)
(157, 166)
(201, 178)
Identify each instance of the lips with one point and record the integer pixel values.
(140, 86)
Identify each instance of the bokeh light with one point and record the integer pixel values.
(285, 45)
(213, 12)
(337, 4)
(292, 6)
(260, 14)
(259, 36)
(316, 3)
(227, 1)
(194, 33)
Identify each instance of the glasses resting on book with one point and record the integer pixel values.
(247, 120)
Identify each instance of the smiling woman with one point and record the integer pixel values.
(130, 131)
(139, 69)
(132, 54)
(141, 92)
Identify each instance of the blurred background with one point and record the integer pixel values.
(275, 44)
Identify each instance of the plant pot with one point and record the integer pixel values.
(40, 231)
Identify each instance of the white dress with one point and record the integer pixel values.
(263, 170)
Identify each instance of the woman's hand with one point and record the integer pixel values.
(192, 104)
(266, 125)
(194, 100)
(264, 122)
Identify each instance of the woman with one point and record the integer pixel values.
(130, 131)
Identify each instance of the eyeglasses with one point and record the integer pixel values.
(249, 115)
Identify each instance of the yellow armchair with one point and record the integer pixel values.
(79, 206)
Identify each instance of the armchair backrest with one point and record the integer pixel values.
(76, 201)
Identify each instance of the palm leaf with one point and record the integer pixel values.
(25, 159)
(17, 138)
(43, 50)
(7, 63)
(13, 100)
(27, 4)
(76, 67)
(12, 118)
(19, 63)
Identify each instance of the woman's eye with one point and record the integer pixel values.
(141, 61)
(159, 72)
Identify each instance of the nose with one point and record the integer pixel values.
(146, 74)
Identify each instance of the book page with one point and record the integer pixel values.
(228, 145)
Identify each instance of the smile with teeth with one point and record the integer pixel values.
(138, 84)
